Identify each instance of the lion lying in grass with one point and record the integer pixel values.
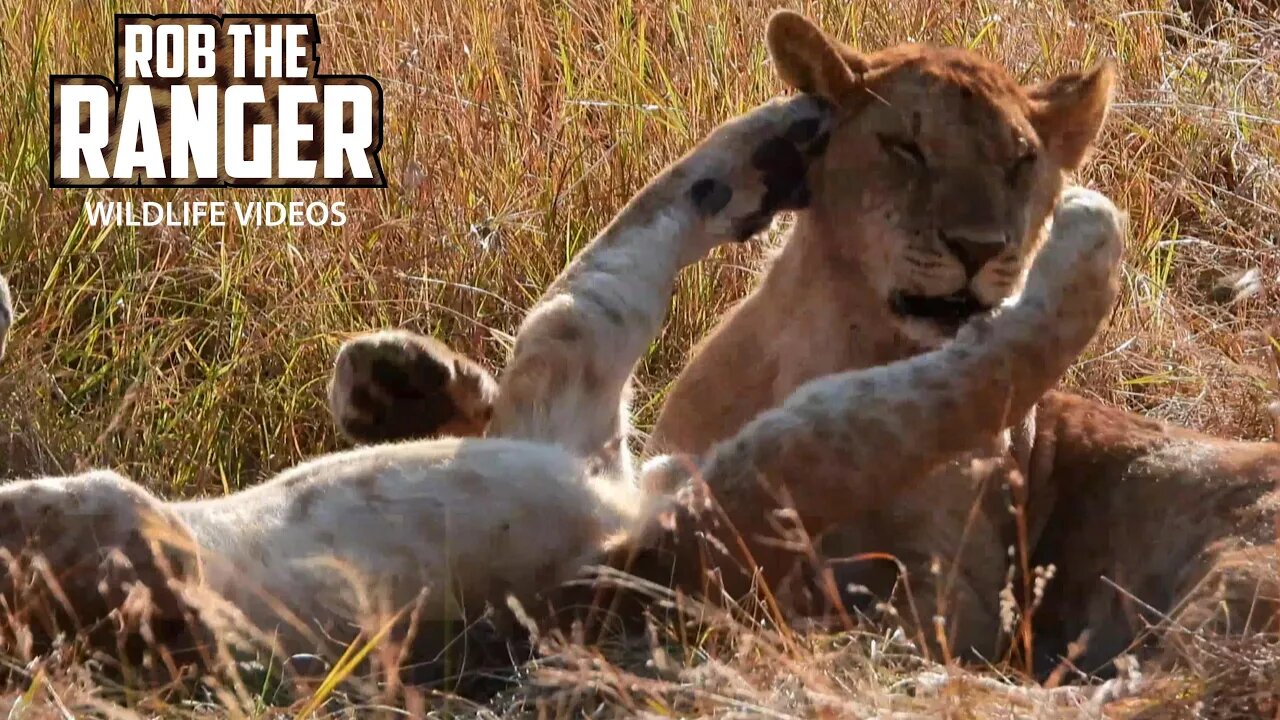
(440, 528)
(926, 211)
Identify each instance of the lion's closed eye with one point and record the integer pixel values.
(1021, 167)
(903, 149)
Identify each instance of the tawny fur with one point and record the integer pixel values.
(532, 511)
(880, 226)
(840, 442)
(887, 224)
(367, 529)
(886, 423)
(990, 170)
(941, 160)
(396, 385)
(472, 522)
(890, 422)
(77, 548)
(942, 189)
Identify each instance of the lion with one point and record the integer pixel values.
(510, 517)
(77, 554)
(888, 422)
(473, 522)
(923, 216)
(965, 166)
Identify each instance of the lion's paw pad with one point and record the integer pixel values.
(760, 164)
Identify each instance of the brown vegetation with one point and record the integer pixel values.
(196, 359)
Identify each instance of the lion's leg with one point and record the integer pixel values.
(955, 573)
(938, 557)
(507, 514)
(575, 351)
(76, 549)
(398, 385)
(1233, 593)
(850, 436)
(577, 347)
(1225, 597)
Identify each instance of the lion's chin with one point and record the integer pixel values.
(944, 313)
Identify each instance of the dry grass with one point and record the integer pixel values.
(194, 359)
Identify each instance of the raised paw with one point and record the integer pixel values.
(1085, 242)
(757, 165)
(1088, 216)
(397, 385)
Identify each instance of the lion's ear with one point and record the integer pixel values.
(810, 61)
(1068, 111)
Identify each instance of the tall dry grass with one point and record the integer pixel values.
(194, 359)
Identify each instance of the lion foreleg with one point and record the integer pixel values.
(574, 353)
(838, 438)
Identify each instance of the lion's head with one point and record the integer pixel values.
(946, 170)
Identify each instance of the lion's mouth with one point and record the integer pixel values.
(948, 310)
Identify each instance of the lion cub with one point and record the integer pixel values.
(847, 435)
(481, 520)
(314, 551)
(926, 211)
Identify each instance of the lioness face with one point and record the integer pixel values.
(938, 182)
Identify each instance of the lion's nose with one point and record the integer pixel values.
(974, 249)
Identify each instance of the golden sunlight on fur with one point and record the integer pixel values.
(927, 209)
(957, 168)
(319, 548)
(508, 518)
(891, 422)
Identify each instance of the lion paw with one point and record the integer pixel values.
(757, 164)
(1089, 216)
(1084, 246)
(397, 385)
